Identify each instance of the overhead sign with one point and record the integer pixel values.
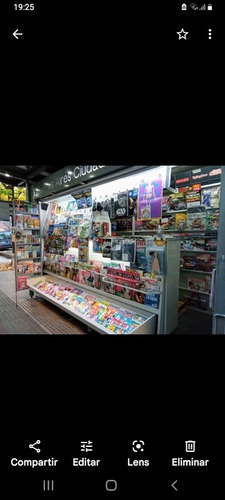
(71, 176)
(201, 175)
(206, 174)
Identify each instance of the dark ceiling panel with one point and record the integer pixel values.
(20, 174)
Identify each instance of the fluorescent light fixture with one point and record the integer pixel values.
(47, 184)
(7, 175)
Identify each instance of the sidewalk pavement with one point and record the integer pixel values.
(33, 315)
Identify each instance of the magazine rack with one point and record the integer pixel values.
(26, 240)
(167, 312)
(87, 301)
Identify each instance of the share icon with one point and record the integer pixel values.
(33, 446)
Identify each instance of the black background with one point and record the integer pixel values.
(114, 95)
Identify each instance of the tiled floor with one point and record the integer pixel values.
(32, 316)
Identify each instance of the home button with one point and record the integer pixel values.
(111, 485)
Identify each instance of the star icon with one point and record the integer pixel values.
(182, 34)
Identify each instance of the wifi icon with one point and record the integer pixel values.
(194, 6)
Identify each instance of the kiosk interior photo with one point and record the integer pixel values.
(112, 249)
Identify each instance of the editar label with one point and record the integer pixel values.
(85, 462)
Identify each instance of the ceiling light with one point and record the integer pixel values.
(7, 175)
(47, 184)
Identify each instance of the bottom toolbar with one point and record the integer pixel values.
(140, 466)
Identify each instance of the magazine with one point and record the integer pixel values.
(129, 250)
(106, 248)
(116, 250)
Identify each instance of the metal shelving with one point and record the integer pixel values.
(18, 244)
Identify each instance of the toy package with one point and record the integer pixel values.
(193, 198)
(189, 262)
(83, 199)
(180, 221)
(190, 242)
(121, 204)
(211, 197)
(123, 225)
(83, 250)
(177, 201)
(212, 219)
(204, 262)
(98, 245)
(96, 230)
(169, 222)
(196, 218)
(84, 228)
(197, 284)
(165, 204)
(132, 201)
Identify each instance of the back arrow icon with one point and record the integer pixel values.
(173, 486)
(15, 34)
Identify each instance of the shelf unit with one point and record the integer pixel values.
(197, 282)
(167, 312)
(27, 242)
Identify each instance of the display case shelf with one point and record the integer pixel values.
(195, 271)
(198, 251)
(146, 327)
(27, 213)
(27, 258)
(174, 212)
(189, 290)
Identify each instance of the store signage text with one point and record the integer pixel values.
(200, 174)
(211, 173)
(77, 172)
(71, 176)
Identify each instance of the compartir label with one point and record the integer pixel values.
(49, 462)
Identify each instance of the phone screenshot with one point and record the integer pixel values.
(96, 254)
(112, 251)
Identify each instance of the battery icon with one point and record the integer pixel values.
(209, 6)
